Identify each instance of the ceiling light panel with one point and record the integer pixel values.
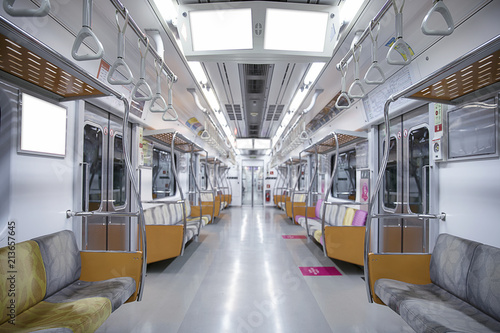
(293, 30)
(218, 30)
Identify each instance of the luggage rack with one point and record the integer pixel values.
(328, 144)
(165, 136)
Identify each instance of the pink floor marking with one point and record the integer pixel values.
(319, 271)
(293, 236)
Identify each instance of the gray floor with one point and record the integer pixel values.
(243, 277)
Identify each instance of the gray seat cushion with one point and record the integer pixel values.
(483, 285)
(61, 259)
(450, 264)
(117, 290)
(429, 308)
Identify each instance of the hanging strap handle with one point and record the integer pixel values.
(170, 105)
(43, 10)
(343, 97)
(356, 53)
(374, 68)
(440, 8)
(86, 32)
(142, 76)
(303, 134)
(205, 135)
(121, 52)
(158, 100)
(400, 49)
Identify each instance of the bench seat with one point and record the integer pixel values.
(49, 294)
(464, 295)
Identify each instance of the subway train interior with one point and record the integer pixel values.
(249, 166)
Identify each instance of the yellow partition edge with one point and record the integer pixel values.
(217, 205)
(410, 268)
(163, 241)
(98, 266)
(345, 243)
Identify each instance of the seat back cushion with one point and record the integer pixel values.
(450, 263)
(148, 216)
(319, 208)
(483, 283)
(349, 216)
(27, 286)
(61, 259)
(359, 219)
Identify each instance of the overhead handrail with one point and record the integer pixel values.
(356, 53)
(142, 76)
(43, 10)
(374, 66)
(438, 7)
(400, 47)
(317, 92)
(170, 105)
(121, 54)
(86, 32)
(158, 99)
(343, 92)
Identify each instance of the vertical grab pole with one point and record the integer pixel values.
(174, 171)
(193, 174)
(374, 195)
(329, 190)
(135, 186)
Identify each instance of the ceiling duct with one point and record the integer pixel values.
(255, 81)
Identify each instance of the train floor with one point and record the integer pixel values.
(242, 276)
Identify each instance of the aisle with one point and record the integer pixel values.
(243, 277)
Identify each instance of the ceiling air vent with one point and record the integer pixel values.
(274, 112)
(234, 111)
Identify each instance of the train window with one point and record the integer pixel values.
(92, 157)
(119, 173)
(472, 130)
(418, 170)
(204, 177)
(163, 177)
(344, 185)
(391, 176)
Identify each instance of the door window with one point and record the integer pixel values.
(418, 170)
(391, 176)
(92, 158)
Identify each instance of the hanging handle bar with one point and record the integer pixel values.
(121, 52)
(43, 10)
(343, 93)
(142, 76)
(86, 32)
(440, 8)
(170, 105)
(374, 68)
(205, 135)
(356, 53)
(303, 134)
(158, 100)
(400, 52)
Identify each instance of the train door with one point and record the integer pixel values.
(105, 182)
(405, 188)
(252, 185)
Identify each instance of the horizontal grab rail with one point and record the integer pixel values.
(70, 213)
(441, 216)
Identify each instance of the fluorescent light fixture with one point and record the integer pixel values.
(198, 72)
(43, 127)
(212, 100)
(349, 9)
(313, 72)
(297, 99)
(237, 151)
(224, 29)
(261, 143)
(244, 143)
(167, 10)
(295, 30)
